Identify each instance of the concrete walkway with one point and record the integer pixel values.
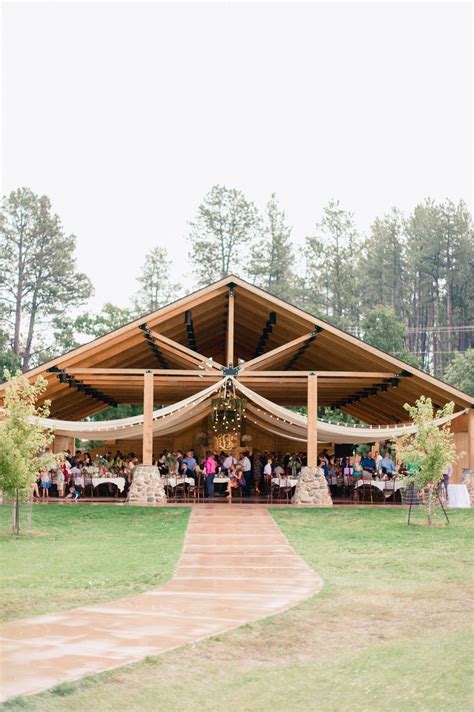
(236, 567)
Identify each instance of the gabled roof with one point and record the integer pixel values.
(263, 323)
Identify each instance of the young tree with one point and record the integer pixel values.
(428, 451)
(272, 258)
(22, 442)
(224, 225)
(460, 372)
(331, 267)
(38, 276)
(157, 287)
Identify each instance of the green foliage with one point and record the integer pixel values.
(382, 267)
(429, 450)
(272, 257)
(110, 318)
(460, 372)
(9, 361)
(22, 442)
(157, 286)
(383, 329)
(331, 287)
(39, 280)
(224, 225)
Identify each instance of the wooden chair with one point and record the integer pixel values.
(197, 492)
(389, 490)
(181, 489)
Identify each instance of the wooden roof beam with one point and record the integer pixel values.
(275, 354)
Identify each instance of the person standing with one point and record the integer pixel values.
(447, 472)
(210, 466)
(247, 470)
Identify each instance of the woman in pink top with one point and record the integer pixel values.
(210, 466)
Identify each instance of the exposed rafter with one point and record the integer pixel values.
(302, 349)
(151, 341)
(82, 387)
(188, 322)
(267, 330)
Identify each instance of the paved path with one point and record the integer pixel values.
(236, 567)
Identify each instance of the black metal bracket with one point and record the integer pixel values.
(231, 370)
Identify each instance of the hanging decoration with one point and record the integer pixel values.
(227, 410)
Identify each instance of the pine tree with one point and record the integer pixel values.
(331, 279)
(272, 257)
(157, 288)
(226, 222)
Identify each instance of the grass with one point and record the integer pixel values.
(391, 630)
(81, 554)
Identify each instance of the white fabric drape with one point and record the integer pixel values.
(267, 415)
(286, 423)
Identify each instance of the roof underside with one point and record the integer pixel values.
(199, 323)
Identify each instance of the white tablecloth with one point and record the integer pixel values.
(284, 482)
(79, 480)
(380, 484)
(119, 481)
(458, 497)
(173, 481)
(221, 480)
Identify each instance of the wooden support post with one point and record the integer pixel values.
(230, 328)
(312, 451)
(148, 397)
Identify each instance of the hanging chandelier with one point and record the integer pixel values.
(227, 410)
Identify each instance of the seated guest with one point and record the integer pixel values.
(368, 463)
(357, 467)
(229, 462)
(388, 464)
(188, 465)
(278, 471)
(236, 479)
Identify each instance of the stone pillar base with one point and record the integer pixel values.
(312, 488)
(147, 486)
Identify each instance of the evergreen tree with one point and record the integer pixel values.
(382, 264)
(226, 222)
(38, 277)
(382, 328)
(440, 261)
(157, 288)
(109, 319)
(331, 281)
(272, 257)
(460, 372)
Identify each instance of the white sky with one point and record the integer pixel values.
(126, 114)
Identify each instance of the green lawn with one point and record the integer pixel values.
(391, 630)
(81, 554)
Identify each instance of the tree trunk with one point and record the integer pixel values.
(16, 513)
(18, 305)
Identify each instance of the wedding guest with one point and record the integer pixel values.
(45, 484)
(73, 494)
(247, 470)
(210, 466)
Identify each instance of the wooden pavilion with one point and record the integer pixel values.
(234, 329)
